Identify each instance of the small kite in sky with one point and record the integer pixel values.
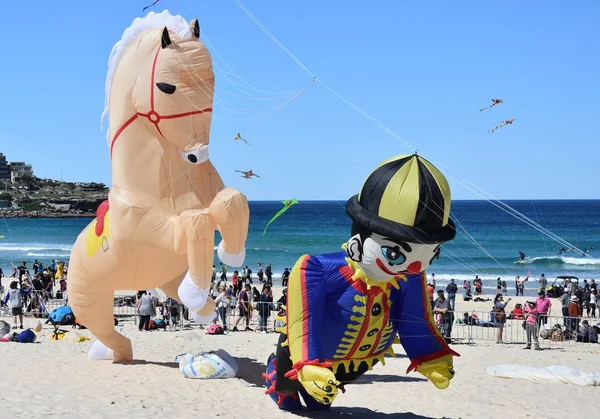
(239, 137)
(286, 206)
(501, 124)
(147, 7)
(494, 103)
(248, 174)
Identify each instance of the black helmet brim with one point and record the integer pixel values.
(396, 231)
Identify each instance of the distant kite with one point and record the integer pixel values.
(248, 174)
(147, 7)
(239, 137)
(494, 103)
(501, 124)
(286, 206)
(1, 237)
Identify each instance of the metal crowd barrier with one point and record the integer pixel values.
(458, 327)
(472, 326)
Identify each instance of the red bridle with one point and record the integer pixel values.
(153, 116)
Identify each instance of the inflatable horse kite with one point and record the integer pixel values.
(157, 227)
(345, 310)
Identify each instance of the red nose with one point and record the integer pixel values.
(414, 268)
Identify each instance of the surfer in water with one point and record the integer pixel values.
(521, 255)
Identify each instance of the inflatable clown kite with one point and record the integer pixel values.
(346, 309)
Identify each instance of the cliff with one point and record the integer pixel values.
(47, 198)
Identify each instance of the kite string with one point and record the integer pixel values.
(513, 212)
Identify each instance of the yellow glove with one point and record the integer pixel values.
(439, 371)
(319, 382)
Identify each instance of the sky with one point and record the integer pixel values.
(422, 68)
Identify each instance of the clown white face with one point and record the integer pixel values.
(382, 259)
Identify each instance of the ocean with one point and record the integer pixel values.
(487, 243)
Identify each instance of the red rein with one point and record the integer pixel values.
(153, 116)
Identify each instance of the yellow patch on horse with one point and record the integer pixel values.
(92, 241)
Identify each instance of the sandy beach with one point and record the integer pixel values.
(56, 378)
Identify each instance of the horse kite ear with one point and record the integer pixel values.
(195, 29)
(165, 38)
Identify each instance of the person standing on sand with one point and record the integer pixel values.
(222, 303)
(544, 307)
(244, 307)
(531, 325)
(593, 303)
(451, 289)
(498, 285)
(500, 315)
(223, 271)
(574, 313)
(285, 277)
(146, 309)
(16, 303)
(517, 285)
(543, 283)
(260, 274)
(269, 275)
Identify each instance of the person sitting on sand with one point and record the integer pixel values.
(587, 333)
(467, 296)
(516, 313)
(440, 309)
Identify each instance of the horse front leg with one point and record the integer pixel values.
(193, 290)
(230, 211)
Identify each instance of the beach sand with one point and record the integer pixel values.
(56, 378)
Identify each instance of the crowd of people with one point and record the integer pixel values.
(534, 314)
(31, 288)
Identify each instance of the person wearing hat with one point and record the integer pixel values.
(346, 309)
(574, 312)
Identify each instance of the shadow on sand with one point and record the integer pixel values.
(143, 362)
(250, 371)
(373, 378)
(356, 412)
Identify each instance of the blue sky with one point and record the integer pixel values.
(422, 68)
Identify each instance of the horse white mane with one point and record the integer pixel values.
(152, 20)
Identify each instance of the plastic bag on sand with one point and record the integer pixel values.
(554, 373)
(205, 365)
(38, 327)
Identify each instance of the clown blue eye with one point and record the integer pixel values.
(393, 255)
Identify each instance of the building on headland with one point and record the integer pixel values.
(19, 169)
(4, 169)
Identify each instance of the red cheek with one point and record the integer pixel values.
(414, 268)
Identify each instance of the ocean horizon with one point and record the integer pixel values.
(487, 242)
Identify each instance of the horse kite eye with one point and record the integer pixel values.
(166, 88)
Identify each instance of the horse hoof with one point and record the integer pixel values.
(231, 259)
(99, 351)
(201, 319)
